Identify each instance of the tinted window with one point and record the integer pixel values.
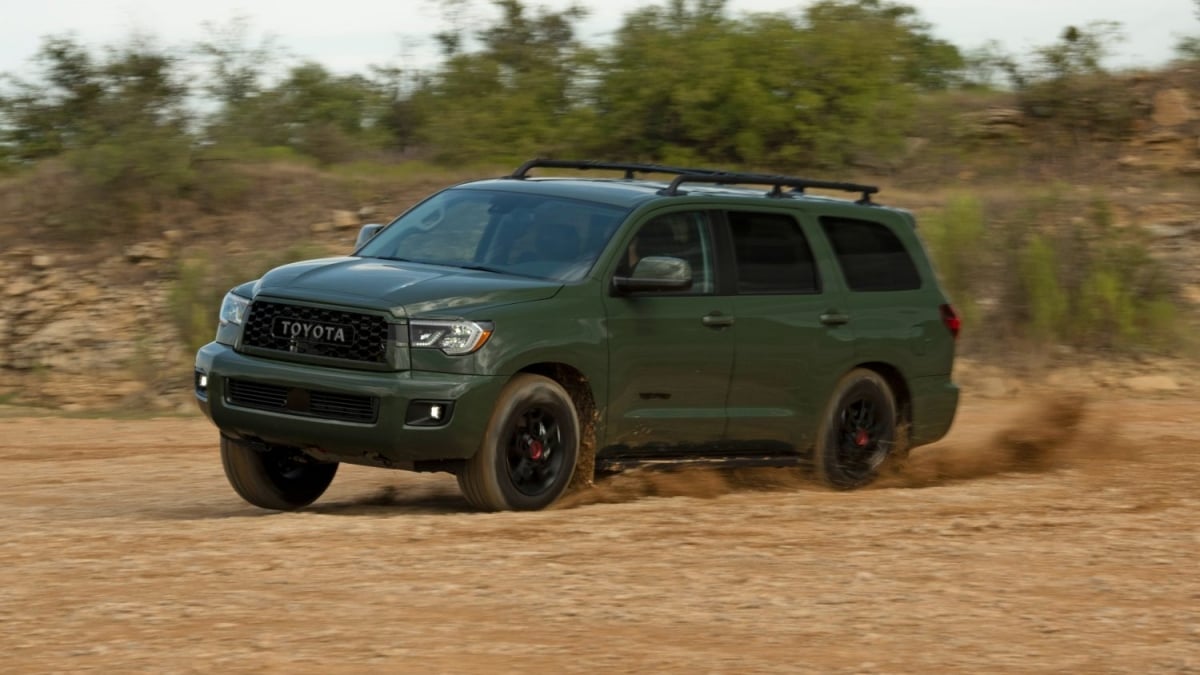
(681, 235)
(772, 254)
(871, 256)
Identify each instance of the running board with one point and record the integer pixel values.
(618, 464)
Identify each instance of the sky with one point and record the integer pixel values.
(349, 35)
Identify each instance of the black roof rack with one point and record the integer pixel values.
(691, 175)
(629, 168)
(777, 183)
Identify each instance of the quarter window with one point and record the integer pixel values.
(871, 255)
(772, 254)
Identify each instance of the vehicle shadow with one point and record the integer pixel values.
(385, 501)
(390, 500)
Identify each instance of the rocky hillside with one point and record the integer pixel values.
(99, 326)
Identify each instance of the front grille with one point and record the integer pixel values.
(303, 402)
(367, 340)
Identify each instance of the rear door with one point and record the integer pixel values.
(670, 352)
(792, 339)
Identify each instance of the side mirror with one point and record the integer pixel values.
(367, 233)
(656, 273)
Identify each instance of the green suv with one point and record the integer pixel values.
(525, 333)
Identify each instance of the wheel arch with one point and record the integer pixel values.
(899, 386)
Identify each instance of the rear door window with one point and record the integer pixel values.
(772, 254)
(871, 256)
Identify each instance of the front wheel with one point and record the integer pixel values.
(529, 451)
(274, 478)
(857, 430)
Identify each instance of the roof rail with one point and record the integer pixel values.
(584, 165)
(777, 183)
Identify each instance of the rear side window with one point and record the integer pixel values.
(871, 255)
(772, 254)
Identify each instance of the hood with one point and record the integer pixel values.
(404, 288)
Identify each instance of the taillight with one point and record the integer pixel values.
(951, 320)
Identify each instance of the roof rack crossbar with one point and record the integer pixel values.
(777, 183)
(584, 165)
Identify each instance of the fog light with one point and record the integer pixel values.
(201, 383)
(428, 413)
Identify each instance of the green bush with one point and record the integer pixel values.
(1046, 300)
(1041, 273)
(956, 236)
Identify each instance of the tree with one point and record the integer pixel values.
(513, 96)
(118, 119)
(835, 85)
(1188, 47)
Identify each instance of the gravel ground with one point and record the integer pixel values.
(1054, 536)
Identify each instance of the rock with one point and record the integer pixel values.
(1152, 383)
(147, 251)
(173, 236)
(1191, 294)
(1172, 108)
(1165, 231)
(18, 288)
(365, 213)
(42, 262)
(344, 219)
(996, 123)
(320, 228)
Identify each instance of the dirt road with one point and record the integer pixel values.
(1063, 538)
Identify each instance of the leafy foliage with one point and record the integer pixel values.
(1042, 273)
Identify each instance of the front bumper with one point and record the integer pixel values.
(387, 441)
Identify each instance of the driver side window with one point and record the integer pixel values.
(682, 235)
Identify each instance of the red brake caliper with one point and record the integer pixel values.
(861, 438)
(535, 449)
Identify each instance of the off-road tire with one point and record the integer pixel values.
(529, 450)
(857, 431)
(274, 479)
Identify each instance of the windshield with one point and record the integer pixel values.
(512, 233)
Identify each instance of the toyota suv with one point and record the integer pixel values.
(525, 333)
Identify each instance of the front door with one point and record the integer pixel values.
(670, 353)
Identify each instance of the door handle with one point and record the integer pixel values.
(717, 320)
(835, 318)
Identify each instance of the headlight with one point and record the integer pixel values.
(233, 309)
(452, 337)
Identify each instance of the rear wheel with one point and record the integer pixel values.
(529, 451)
(857, 431)
(274, 478)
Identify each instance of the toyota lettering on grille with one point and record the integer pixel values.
(311, 332)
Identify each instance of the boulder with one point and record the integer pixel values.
(1152, 383)
(1172, 108)
(344, 219)
(147, 251)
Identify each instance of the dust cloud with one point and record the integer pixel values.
(1056, 431)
